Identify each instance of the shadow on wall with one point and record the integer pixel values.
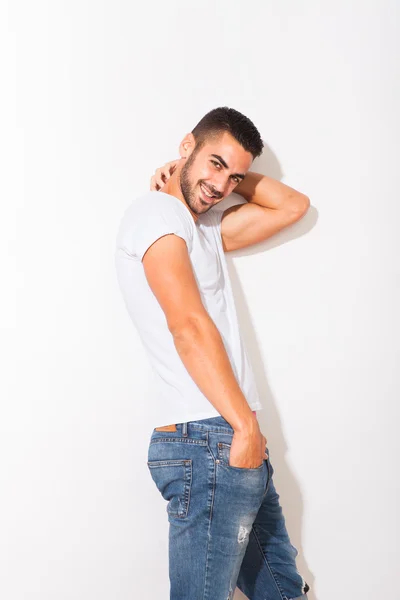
(269, 418)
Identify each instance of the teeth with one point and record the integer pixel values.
(207, 193)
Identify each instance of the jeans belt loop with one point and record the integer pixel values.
(184, 429)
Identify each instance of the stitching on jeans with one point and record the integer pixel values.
(212, 429)
(158, 440)
(210, 518)
(278, 587)
(187, 465)
(188, 487)
(225, 462)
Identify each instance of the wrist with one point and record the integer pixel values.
(246, 425)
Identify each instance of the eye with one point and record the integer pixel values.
(217, 164)
(236, 180)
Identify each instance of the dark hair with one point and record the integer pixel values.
(232, 121)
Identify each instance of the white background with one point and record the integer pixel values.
(95, 96)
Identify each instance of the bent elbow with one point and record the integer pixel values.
(301, 207)
(307, 203)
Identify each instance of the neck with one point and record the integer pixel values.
(173, 187)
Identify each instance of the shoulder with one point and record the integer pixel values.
(151, 216)
(153, 204)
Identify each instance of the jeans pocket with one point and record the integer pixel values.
(173, 479)
(223, 451)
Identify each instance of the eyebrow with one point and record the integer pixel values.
(240, 175)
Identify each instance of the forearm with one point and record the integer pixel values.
(202, 351)
(269, 192)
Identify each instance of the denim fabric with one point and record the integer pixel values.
(226, 527)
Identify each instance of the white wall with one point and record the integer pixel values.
(95, 96)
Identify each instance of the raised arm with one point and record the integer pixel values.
(271, 206)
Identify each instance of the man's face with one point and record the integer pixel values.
(212, 173)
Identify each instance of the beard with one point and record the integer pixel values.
(188, 189)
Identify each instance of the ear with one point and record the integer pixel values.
(187, 145)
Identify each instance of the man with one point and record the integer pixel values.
(207, 455)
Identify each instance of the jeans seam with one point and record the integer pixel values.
(283, 597)
(205, 587)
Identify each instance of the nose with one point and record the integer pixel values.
(220, 184)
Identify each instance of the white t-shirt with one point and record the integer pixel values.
(176, 397)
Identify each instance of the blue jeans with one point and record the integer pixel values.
(226, 527)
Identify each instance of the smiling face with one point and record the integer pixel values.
(211, 173)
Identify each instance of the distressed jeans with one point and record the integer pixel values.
(226, 526)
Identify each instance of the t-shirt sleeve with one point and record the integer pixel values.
(150, 217)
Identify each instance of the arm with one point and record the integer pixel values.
(169, 273)
(270, 193)
(271, 206)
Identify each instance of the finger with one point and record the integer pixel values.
(163, 173)
(156, 186)
(159, 182)
(157, 177)
(172, 166)
(169, 169)
(152, 184)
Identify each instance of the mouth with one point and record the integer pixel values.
(206, 195)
